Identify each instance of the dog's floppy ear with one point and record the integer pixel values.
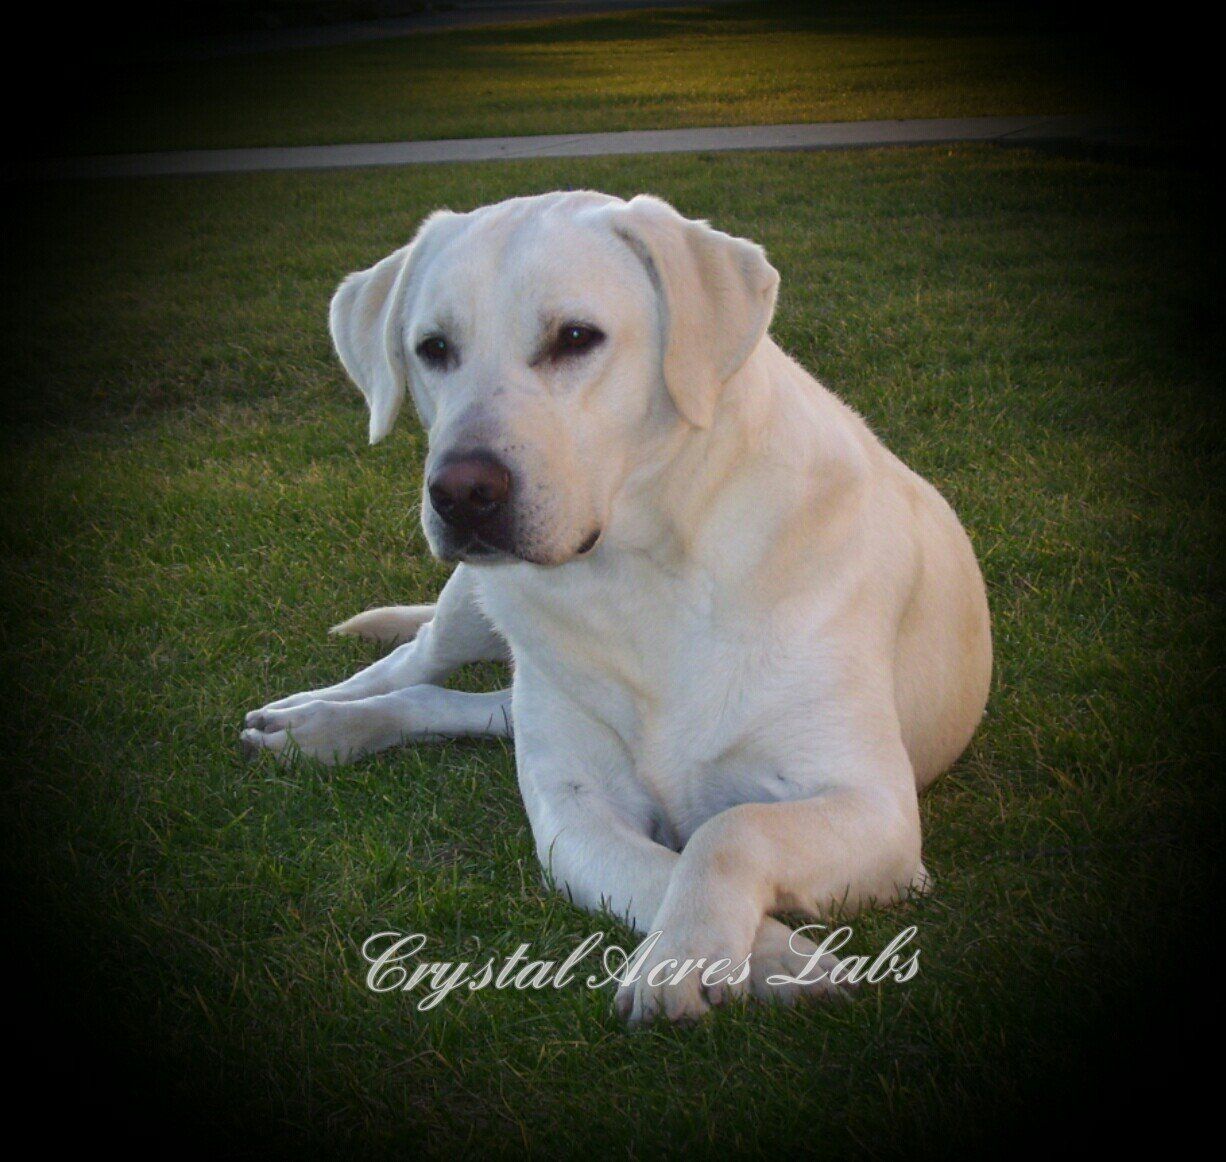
(717, 296)
(367, 323)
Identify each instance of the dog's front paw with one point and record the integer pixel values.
(321, 730)
(289, 702)
(687, 971)
(681, 1002)
(786, 968)
(783, 967)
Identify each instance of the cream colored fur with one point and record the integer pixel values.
(726, 708)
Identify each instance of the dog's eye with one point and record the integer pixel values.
(434, 350)
(575, 338)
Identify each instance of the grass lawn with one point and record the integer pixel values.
(739, 65)
(189, 503)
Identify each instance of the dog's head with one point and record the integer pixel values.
(549, 343)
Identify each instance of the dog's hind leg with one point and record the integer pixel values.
(457, 633)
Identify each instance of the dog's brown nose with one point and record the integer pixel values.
(470, 491)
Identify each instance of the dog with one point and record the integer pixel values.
(744, 635)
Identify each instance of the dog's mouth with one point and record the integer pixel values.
(477, 550)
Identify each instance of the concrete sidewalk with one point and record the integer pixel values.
(821, 135)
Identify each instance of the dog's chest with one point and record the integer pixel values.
(612, 633)
(681, 680)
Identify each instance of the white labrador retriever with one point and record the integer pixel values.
(744, 634)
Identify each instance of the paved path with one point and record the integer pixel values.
(821, 135)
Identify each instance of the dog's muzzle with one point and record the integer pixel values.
(472, 495)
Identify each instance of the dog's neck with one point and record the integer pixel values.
(808, 457)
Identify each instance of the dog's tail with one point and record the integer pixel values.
(392, 624)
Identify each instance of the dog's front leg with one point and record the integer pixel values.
(340, 732)
(456, 634)
(394, 700)
(847, 847)
(595, 830)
